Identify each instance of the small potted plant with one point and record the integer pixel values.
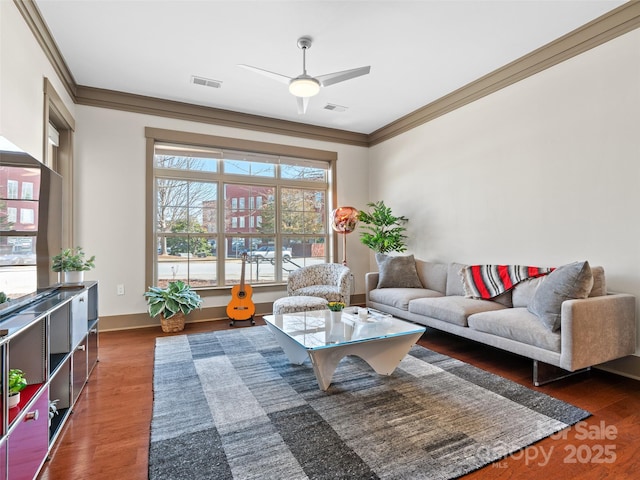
(336, 310)
(72, 263)
(17, 383)
(172, 304)
(336, 306)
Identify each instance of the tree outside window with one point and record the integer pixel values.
(215, 207)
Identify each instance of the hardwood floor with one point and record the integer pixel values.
(107, 436)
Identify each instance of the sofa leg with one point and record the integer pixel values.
(544, 373)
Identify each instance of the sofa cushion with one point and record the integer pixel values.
(452, 309)
(400, 297)
(570, 281)
(505, 298)
(454, 280)
(397, 271)
(516, 324)
(599, 283)
(524, 291)
(433, 275)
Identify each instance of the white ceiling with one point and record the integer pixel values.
(418, 50)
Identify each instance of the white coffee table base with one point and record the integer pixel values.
(382, 354)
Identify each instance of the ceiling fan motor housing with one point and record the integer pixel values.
(305, 42)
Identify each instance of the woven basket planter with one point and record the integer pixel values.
(173, 324)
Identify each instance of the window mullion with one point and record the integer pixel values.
(220, 241)
(253, 174)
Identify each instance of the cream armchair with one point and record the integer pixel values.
(330, 281)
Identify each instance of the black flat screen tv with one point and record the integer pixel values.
(30, 228)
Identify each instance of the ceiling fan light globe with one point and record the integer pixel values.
(304, 87)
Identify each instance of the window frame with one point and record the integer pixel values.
(60, 157)
(13, 188)
(26, 191)
(12, 214)
(27, 216)
(155, 135)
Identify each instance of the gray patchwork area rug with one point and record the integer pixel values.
(229, 405)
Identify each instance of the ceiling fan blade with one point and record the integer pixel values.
(267, 73)
(303, 102)
(331, 78)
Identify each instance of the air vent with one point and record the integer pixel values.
(335, 108)
(206, 82)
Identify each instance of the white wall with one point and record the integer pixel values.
(110, 198)
(23, 67)
(544, 172)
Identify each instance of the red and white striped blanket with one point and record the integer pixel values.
(488, 281)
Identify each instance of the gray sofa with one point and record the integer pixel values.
(592, 330)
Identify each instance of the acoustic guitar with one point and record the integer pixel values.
(241, 306)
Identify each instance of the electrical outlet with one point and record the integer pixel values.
(120, 289)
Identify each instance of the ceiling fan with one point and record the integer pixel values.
(305, 86)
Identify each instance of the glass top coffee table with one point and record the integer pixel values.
(381, 340)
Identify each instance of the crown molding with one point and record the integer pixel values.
(38, 27)
(97, 97)
(601, 30)
(83, 95)
(607, 27)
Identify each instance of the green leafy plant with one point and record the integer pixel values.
(177, 297)
(384, 232)
(336, 306)
(72, 260)
(17, 381)
(4, 298)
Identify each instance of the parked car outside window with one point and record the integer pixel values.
(268, 252)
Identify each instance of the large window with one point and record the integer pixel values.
(218, 210)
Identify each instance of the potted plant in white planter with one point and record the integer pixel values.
(17, 383)
(172, 304)
(336, 310)
(336, 306)
(72, 263)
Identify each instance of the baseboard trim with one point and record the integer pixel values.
(628, 366)
(219, 313)
(143, 320)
